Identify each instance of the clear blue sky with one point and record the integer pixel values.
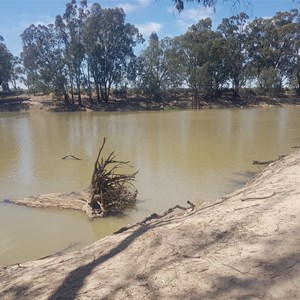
(147, 15)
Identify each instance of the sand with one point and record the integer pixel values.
(244, 246)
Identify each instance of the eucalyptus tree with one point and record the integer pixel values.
(217, 62)
(69, 28)
(92, 50)
(205, 53)
(233, 30)
(157, 67)
(290, 32)
(17, 72)
(294, 79)
(109, 43)
(43, 60)
(193, 55)
(271, 47)
(294, 75)
(176, 76)
(6, 65)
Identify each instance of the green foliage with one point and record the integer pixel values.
(272, 48)
(91, 49)
(269, 82)
(43, 60)
(109, 43)
(204, 55)
(69, 30)
(6, 65)
(233, 30)
(179, 4)
(157, 68)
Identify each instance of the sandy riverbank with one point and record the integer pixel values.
(246, 246)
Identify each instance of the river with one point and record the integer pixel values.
(181, 155)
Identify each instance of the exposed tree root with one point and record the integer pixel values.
(111, 192)
(108, 194)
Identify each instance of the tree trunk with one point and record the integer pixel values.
(5, 86)
(79, 92)
(66, 98)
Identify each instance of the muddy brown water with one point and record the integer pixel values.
(182, 155)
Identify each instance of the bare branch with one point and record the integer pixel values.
(70, 156)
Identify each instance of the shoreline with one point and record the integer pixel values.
(40, 103)
(244, 246)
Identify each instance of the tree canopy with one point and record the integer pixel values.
(89, 51)
(261, 54)
(86, 49)
(6, 64)
(179, 4)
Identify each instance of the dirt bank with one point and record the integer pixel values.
(246, 246)
(47, 103)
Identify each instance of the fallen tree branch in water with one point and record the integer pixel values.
(155, 216)
(266, 162)
(262, 162)
(70, 156)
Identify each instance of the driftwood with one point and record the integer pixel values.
(262, 162)
(155, 216)
(70, 156)
(258, 198)
(266, 162)
(111, 192)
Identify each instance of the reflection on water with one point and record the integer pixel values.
(185, 155)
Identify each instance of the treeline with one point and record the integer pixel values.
(90, 51)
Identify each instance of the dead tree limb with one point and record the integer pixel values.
(70, 156)
(266, 162)
(258, 198)
(155, 216)
(262, 162)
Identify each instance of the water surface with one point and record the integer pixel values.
(183, 155)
